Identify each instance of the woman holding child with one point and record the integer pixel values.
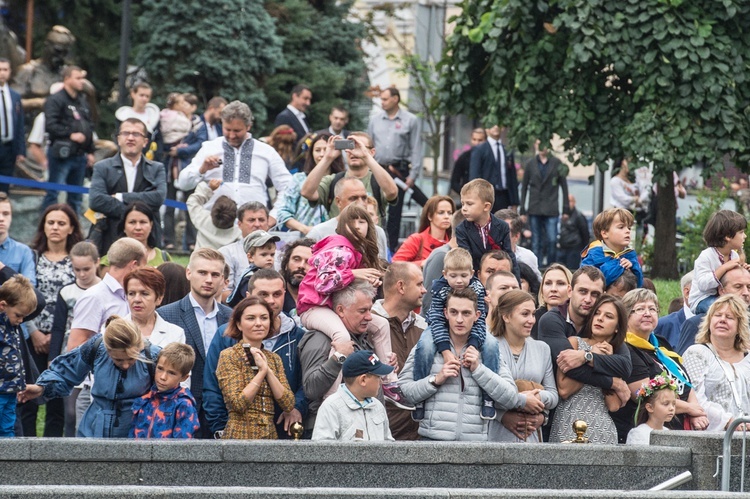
(602, 334)
(530, 364)
(650, 356)
(251, 378)
(121, 362)
(719, 364)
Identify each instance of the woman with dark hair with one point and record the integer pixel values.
(291, 209)
(530, 364)
(529, 280)
(434, 231)
(603, 333)
(138, 222)
(650, 356)
(251, 378)
(177, 284)
(58, 231)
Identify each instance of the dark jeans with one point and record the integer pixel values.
(70, 171)
(570, 257)
(393, 225)
(7, 163)
(544, 237)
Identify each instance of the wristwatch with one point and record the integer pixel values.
(546, 418)
(340, 357)
(433, 381)
(588, 356)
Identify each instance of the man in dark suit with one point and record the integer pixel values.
(492, 162)
(12, 143)
(200, 315)
(123, 179)
(460, 175)
(294, 113)
(543, 177)
(669, 326)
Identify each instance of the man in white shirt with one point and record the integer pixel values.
(123, 179)
(242, 163)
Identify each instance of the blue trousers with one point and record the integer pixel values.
(544, 237)
(7, 415)
(70, 171)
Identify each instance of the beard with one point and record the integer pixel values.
(293, 278)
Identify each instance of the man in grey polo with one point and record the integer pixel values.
(397, 137)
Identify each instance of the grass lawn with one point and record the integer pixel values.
(666, 291)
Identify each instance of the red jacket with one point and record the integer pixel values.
(417, 247)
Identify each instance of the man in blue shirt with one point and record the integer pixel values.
(12, 253)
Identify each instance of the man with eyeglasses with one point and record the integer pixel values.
(123, 179)
(347, 191)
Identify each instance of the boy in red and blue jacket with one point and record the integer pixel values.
(168, 409)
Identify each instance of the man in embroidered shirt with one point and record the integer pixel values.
(242, 163)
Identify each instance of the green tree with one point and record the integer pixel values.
(665, 82)
(322, 49)
(210, 47)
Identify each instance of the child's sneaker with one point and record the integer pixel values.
(392, 393)
(488, 409)
(418, 413)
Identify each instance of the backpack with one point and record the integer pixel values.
(146, 344)
(375, 192)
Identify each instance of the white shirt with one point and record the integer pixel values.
(211, 131)
(528, 257)
(7, 135)
(38, 135)
(300, 117)
(208, 324)
(131, 170)
(266, 163)
(640, 435)
(236, 257)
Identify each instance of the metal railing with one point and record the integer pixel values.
(675, 482)
(726, 458)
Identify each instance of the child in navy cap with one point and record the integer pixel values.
(354, 412)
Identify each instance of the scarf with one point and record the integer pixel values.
(662, 355)
(246, 158)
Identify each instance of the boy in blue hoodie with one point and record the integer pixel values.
(610, 252)
(168, 409)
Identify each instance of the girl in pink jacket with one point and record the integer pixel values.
(334, 264)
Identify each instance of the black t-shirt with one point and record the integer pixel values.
(645, 366)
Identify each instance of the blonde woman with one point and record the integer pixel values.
(718, 363)
(554, 291)
(121, 362)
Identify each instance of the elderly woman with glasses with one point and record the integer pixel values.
(651, 355)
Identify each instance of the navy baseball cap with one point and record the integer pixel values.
(364, 362)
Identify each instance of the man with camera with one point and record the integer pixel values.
(397, 137)
(319, 187)
(71, 136)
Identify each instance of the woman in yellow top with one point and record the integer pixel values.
(251, 378)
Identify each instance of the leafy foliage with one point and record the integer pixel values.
(210, 47)
(664, 81)
(321, 48)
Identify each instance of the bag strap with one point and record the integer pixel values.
(94, 350)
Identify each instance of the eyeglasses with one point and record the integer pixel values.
(131, 134)
(644, 310)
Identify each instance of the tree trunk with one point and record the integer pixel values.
(665, 250)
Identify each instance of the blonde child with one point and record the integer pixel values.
(724, 235)
(336, 261)
(610, 251)
(659, 397)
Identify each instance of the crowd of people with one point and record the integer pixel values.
(301, 303)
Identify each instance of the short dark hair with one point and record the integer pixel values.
(3, 59)
(299, 88)
(140, 85)
(191, 99)
(68, 71)
(264, 275)
(135, 121)
(251, 206)
(589, 271)
(626, 282)
(723, 224)
(466, 293)
(498, 255)
(223, 212)
(233, 331)
(515, 224)
(394, 92)
(340, 109)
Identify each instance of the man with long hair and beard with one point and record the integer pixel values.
(294, 266)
